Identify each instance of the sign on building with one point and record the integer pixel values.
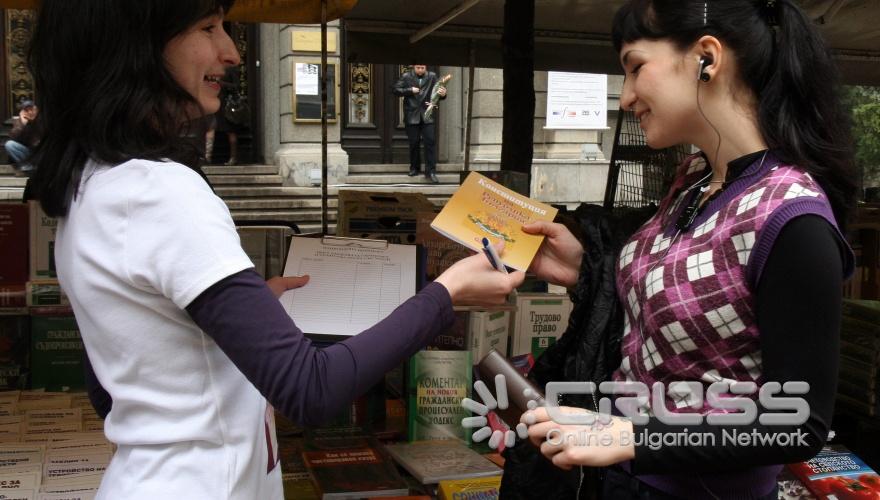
(577, 100)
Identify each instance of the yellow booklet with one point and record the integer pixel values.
(482, 208)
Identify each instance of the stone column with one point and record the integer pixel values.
(450, 148)
(298, 146)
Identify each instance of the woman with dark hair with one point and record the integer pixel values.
(735, 283)
(191, 346)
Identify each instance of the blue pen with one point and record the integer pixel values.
(493, 257)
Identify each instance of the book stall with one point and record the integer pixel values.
(435, 428)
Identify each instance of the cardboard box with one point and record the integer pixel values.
(385, 216)
(253, 242)
(541, 318)
(14, 229)
(56, 354)
(440, 251)
(42, 249)
(478, 330)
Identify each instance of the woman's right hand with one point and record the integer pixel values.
(473, 281)
(559, 258)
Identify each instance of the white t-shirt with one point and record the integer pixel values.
(141, 241)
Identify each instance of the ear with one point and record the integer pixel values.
(711, 51)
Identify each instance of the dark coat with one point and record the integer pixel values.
(589, 350)
(414, 105)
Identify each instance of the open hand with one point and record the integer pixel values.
(566, 446)
(281, 284)
(559, 258)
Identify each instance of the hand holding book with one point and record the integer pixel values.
(559, 258)
(482, 208)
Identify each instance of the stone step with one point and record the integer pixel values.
(13, 182)
(294, 204)
(7, 170)
(399, 179)
(242, 179)
(426, 189)
(231, 192)
(291, 203)
(283, 215)
(241, 170)
(398, 168)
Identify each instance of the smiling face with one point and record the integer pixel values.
(198, 58)
(660, 87)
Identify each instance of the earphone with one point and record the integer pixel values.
(702, 75)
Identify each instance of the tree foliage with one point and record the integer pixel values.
(864, 103)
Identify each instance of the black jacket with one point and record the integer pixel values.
(414, 105)
(589, 350)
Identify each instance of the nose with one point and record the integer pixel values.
(627, 95)
(228, 52)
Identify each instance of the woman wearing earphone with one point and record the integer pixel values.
(738, 276)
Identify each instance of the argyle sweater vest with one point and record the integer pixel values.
(688, 295)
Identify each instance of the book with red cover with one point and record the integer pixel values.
(347, 463)
(14, 244)
(837, 473)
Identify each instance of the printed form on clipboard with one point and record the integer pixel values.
(354, 283)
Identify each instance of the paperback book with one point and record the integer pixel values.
(482, 208)
(433, 461)
(836, 472)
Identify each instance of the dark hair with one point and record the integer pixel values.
(105, 92)
(784, 61)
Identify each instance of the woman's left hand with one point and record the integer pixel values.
(281, 284)
(571, 445)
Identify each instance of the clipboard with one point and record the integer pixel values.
(354, 284)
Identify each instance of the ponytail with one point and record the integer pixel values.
(800, 112)
(782, 58)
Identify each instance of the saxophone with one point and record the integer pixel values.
(435, 96)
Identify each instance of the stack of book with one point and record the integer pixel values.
(40, 346)
(859, 382)
(52, 446)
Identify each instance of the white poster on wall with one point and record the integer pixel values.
(306, 79)
(577, 100)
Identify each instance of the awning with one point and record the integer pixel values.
(570, 35)
(255, 11)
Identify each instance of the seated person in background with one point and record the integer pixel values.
(21, 139)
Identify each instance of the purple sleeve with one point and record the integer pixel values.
(789, 210)
(308, 384)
